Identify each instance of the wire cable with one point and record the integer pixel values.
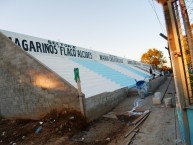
(154, 9)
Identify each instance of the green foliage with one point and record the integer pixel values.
(185, 45)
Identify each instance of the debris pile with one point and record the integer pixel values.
(52, 126)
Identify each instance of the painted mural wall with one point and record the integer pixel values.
(34, 45)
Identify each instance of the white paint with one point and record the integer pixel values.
(92, 83)
(58, 49)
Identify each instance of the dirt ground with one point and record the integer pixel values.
(69, 128)
(59, 129)
(51, 128)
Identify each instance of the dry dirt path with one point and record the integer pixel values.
(161, 126)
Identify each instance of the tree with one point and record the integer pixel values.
(185, 45)
(153, 57)
(187, 51)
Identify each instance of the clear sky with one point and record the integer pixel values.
(126, 28)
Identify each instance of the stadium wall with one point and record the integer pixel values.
(28, 89)
(155, 83)
(98, 105)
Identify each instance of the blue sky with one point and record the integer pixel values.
(120, 27)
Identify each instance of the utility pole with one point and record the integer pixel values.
(183, 51)
(187, 27)
(178, 68)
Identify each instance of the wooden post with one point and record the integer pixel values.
(81, 98)
(79, 88)
(80, 95)
(177, 61)
(183, 51)
(187, 28)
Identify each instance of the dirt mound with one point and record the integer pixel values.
(52, 127)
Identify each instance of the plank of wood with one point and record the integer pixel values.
(131, 137)
(138, 119)
(137, 124)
